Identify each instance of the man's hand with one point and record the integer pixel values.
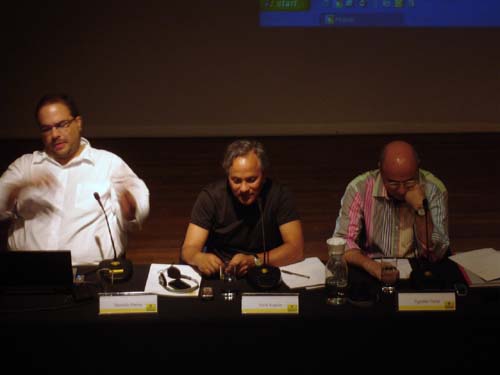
(32, 195)
(241, 263)
(128, 205)
(208, 264)
(415, 197)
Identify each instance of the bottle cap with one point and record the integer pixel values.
(336, 245)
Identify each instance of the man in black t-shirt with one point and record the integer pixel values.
(238, 219)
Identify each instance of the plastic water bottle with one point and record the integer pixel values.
(336, 272)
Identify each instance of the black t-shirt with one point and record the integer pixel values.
(236, 228)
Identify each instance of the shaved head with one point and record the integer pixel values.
(398, 156)
(398, 166)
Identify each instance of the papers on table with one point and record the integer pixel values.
(315, 269)
(474, 281)
(312, 267)
(484, 263)
(153, 284)
(404, 268)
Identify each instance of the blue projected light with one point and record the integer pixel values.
(380, 13)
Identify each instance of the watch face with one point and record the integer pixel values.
(258, 262)
(421, 212)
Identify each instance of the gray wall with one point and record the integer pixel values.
(205, 68)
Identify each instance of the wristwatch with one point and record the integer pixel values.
(257, 261)
(420, 211)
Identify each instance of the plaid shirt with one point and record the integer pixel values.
(370, 220)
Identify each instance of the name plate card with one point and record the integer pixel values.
(426, 302)
(270, 303)
(128, 303)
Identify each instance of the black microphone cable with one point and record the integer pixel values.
(266, 256)
(426, 209)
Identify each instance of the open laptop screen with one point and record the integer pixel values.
(36, 270)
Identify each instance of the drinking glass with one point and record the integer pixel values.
(389, 274)
(228, 277)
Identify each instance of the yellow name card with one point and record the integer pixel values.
(426, 301)
(270, 303)
(128, 303)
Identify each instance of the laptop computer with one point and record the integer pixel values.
(35, 272)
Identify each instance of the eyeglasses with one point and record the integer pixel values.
(408, 184)
(59, 126)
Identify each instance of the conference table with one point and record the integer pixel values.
(55, 332)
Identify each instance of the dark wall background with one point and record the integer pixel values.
(206, 68)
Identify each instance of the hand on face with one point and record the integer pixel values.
(415, 196)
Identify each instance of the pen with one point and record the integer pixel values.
(296, 274)
(315, 286)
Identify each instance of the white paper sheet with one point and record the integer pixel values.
(483, 262)
(312, 267)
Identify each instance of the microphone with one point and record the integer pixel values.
(116, 269)
(264, 276)
(422, 276)
(425, 203)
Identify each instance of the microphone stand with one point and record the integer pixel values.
(264, 277)
(423, 277)
(116, 269)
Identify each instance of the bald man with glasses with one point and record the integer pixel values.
(397, 210)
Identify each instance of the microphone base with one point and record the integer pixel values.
(264, 277)
(423, 277)
(116, 270)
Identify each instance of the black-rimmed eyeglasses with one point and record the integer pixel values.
(408, 184)
(59, 126)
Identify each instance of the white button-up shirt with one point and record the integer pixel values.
(67, 216)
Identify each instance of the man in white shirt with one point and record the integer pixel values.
(50, 194)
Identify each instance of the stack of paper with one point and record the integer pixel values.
(309, 273)
(481, 267)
